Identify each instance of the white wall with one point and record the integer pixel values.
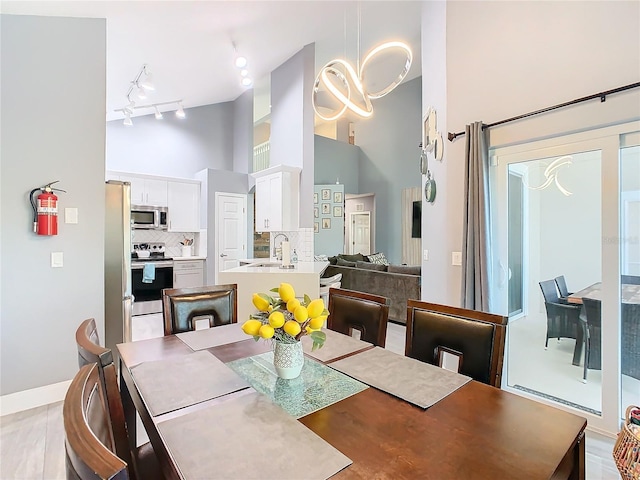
(508, 58)
(53, 110)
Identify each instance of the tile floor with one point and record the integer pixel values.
(32, 442)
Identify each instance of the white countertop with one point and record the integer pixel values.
(300, 268)
(179, 259)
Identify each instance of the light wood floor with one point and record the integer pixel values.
(32, 442)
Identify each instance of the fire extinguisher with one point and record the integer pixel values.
(45, 209)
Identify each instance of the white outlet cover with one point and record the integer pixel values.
(456, 258)
(70, 215)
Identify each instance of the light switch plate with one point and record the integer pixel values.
(57, 259)
(70, 215)
(456, 258)
(425, 255)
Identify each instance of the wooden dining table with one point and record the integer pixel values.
(628, 293)
(476, 432)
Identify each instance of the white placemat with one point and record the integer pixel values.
(336, 345)
(416, 382)
(248, 437)
(212, 337)
(175, 383)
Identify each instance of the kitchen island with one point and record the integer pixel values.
(265, 274)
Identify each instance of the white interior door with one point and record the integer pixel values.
(231, 230)
(360, 233)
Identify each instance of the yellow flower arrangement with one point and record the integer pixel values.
(285, 318)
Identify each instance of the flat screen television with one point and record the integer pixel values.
(416, 220)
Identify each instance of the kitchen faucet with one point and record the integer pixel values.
(275, 250)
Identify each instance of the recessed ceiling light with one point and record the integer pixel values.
(244, 72)
(241, 62)
(246, 81)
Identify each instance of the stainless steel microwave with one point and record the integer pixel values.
(148, 217)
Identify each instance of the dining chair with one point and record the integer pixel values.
(593, 336)
(350, 310)
(90, 353)
(562, 286)
(630, 337)
(563, 319)
(184, 308)
(476, 338)
(328, 283)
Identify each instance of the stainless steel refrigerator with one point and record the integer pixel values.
(117, 265)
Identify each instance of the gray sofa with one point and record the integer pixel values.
(397, 287)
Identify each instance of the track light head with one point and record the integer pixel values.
(147, 83)
(127, 119)
(142, 94)
(180, 112)
(158, 113)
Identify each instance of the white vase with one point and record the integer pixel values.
(288, 359)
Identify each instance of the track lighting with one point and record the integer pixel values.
(127, 119)
(180, 112)
(158, 113)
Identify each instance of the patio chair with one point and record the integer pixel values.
(563, 319)
(562, 287)
(593, 336)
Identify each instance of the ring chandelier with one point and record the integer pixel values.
(342, 81)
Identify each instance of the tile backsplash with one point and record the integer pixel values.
(301, 240)
(170, 239)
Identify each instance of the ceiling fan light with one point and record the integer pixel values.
(180, 112)
(246, 82)
(241, 62)
(158, 113)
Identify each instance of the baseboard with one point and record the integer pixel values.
(35, 397)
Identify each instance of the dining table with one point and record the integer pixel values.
(628, 293)
(476, 431)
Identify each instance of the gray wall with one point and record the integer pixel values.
(243, 133)
(292, 127)
(335, 160)
(53, 106)
(174, 147)
(390, 160)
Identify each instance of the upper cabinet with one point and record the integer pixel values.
(144, 191)
(183, 206)
(181, 197)
(277, 198)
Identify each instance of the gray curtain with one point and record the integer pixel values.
(476, 240)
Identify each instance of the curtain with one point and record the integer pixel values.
(476, 240)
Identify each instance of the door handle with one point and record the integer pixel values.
(223, 255)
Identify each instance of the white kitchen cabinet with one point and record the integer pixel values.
(145, 191)
(183, 202)
(277, 198)
(188, 273)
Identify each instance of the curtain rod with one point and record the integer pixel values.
(602, 96)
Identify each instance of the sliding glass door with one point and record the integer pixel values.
(558, 217)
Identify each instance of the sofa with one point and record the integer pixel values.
(396, 282)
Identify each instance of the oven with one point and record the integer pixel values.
(147, 297)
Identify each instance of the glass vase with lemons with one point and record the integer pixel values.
(285, 319)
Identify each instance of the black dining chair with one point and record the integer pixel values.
(182, 308)
(476, 338)
(562, 286)
(593, 336)
(563, 319)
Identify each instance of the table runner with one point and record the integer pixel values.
(337, 345)
(317, 386)
(416, 382)
(212, 337)
(248, 437)
(175, 383)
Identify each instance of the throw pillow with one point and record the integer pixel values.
(406, 269)
(333, 260)
(344, 263)
(320, 258)
(372, 266)
(358, 257)
(378, 258)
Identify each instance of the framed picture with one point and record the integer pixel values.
(326, 223)
(315, 198)
(326, 194)
(337, 211)
(326, 208)
(316, 227)
(337, 197)
(316, 212)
